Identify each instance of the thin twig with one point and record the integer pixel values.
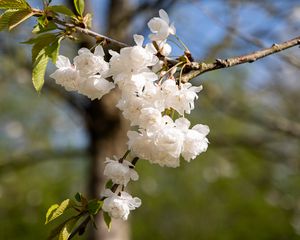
(91, 33)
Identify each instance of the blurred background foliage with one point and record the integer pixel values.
(246, 186)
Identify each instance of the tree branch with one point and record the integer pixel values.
(199, 68)
(91, 33)
(35, 157)
(195, 68)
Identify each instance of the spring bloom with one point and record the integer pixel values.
(66, 75)
(160, 27)
(120, 173)
(119, 206)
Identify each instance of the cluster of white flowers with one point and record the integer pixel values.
(151, 97)
(87, 75)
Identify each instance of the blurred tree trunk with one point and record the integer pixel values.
(107, 131)
(106, 128)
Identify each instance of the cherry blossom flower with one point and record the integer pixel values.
(88, 63)
(160, 27)
(120, 173)
(119, 206)
(66, 75)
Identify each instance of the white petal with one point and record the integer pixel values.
(138, 39)
(62, 61)
(99, 51)
(113, 53)
(107, 193)
(172, 29)
(133, 175)
(163, 14)
(204, 129)
(83, 50)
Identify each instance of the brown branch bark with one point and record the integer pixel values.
(201, 67)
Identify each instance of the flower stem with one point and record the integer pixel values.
(124, 156)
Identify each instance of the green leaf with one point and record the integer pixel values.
(41, 42)
(45, 46)
(50, 212)
(53, 50)
(38, 74)
(5, 18)
(94, 206)
(38, 28)
(66, 204)
(78, 197)
(67, 229)
(56, 231)
(61, 9)
(13, 4)
(19, 17)
(43, 21)
(107, 220)
(109, 184)
(79, 6)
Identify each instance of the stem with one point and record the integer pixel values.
(170, 69)
(90, 33)
(182, 43)
(134, 161)
(124, 157)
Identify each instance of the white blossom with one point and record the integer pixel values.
(181, 98)
(66, 75)
(132, 59)
(195, 141)
(160, 27)
(149, 118)
(120, 172)
(88, 63)
(94, 86)
(161, 145)
(119, 206)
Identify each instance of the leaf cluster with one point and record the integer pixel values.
(73, 224)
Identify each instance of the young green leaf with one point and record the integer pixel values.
(53, 49)
(109, 184)
(66, 204)
(38, 28)
(61, 9)
(107, 220)
(50, 212)
(78, 197)
(94, 206)
(5, 18)
(67, 229)
(39, 43)
(79, 6)
(56, 231)
(19, 17)
(38, 74)
(13, 4)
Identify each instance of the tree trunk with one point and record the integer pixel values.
(107, 131)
